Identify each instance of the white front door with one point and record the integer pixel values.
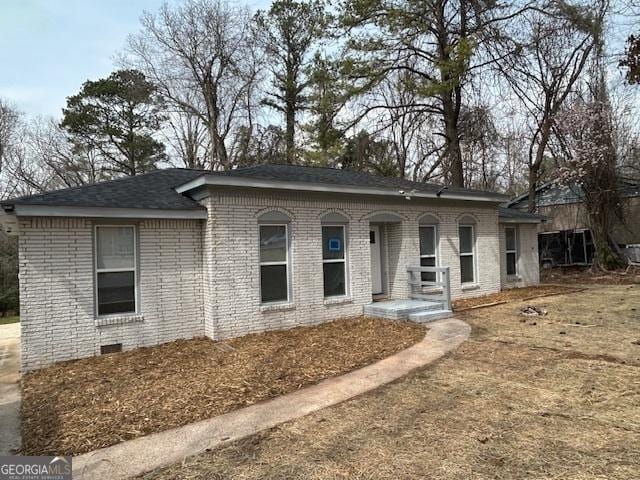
(376, 264)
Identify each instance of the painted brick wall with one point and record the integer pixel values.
(231, 242)
(528, 264)
(200, 278)
(57, 293)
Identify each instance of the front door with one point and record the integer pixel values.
(376, 263)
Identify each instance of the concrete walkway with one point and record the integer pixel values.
(144, 454)
(9, 388)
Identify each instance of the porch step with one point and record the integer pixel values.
(402, 309)
(430, 316)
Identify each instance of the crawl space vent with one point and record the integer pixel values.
(113, 348)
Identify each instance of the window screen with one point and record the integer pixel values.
(115, 269)
(274, 268)
(334, 260)
(511, 250)
(467, 244)
(428, 251)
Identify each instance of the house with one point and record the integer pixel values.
(180, 253)
(565, 236)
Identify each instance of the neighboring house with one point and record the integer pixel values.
(565, 237)
(182, 253)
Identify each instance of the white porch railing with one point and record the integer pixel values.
(438, 289)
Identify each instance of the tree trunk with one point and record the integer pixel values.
(605, 257)
(533, 186)
(536, 165)
(452, 140)
(291, 106)
(290, 133)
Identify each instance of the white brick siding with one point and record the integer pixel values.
(528, 264)
(231, 243)
(203, 278)
(57, 291)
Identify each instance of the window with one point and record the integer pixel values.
(511, 235)
(274, 263)
(467, 247)
(334, 260)
(116, 275)
(428, 256)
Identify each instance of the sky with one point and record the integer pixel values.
(49, 48)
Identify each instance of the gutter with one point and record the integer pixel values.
(19, 210)
(521, 220)
(229, 181)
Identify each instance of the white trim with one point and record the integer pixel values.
(520, 220)
(471, 254)
(514, 251)
(105, 212)
(230, 181)
(375, 252)
(286, 263)
(337, 260)
(97, 270)
(191, 184)
(435, 243)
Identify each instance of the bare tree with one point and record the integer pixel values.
(439, 43)
(553, 47)
(404, 124)
(200, 55)
(514, 144)
(44, 159)
(481, 144)
(9, 124)
(188, 139)
(403, 127)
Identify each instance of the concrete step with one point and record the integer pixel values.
(401, 309)
(430, 316)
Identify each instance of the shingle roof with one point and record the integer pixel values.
(156, 190)
(333, 176)
(551, 193)
(513, 214)
(153, 190)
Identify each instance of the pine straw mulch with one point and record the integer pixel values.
(78, 406)
(515, 401)
(586, 276)
(512, 294)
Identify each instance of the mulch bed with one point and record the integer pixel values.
(512, 294)
(586, 276)
(79, 406)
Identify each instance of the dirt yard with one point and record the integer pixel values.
(584, 276)
(524, 293)
(553, 397)
(78, 406)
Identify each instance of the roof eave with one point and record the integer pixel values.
(521, 220)
(104, 212)
(220, 180)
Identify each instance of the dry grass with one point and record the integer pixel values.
(8, 320)
(585, 276)
(78, 406)
(516, 401)
(510, 295)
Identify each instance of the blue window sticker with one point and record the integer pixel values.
(335, 245)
